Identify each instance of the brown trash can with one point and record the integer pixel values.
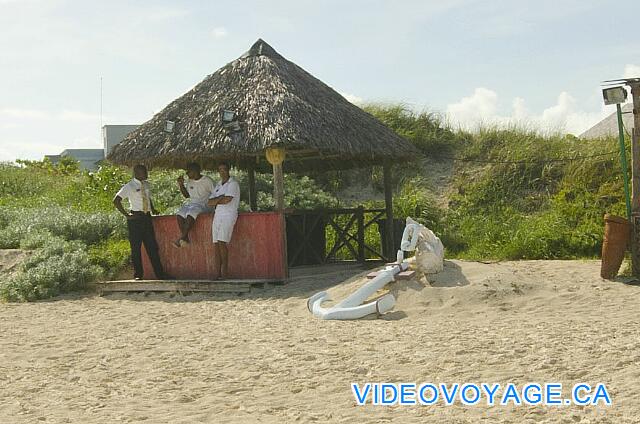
(617, 231)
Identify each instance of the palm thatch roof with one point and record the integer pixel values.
(277, 104)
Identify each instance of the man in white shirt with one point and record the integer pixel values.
(138, 192)
(225, 199)
(198, 190)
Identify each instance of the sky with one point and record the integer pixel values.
(536, 63)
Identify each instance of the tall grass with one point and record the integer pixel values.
(533, 196)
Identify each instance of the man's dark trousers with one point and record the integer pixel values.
(141, 231)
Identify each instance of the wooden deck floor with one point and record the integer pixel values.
(208, 286)
(297, 275)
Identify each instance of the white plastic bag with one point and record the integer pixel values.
(429, 257)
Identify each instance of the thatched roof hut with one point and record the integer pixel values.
(270, 102)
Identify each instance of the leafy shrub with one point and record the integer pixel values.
(10, 237)
(37, 239)
(111, 255)
(18, 183)
(30, 228)
(54, 269)
(300, 192)
(69, 225)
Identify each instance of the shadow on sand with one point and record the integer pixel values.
(451, 276)
(303, 283)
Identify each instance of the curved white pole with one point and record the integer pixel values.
(352, 307)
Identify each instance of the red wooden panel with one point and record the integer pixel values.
(257, 248)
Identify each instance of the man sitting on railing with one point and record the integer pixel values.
(198, 190)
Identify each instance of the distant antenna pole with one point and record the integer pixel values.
(101, 106)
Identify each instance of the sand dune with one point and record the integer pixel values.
(264, 358)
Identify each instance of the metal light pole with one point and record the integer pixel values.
(634, 83)
(623, 161)
(617, 95)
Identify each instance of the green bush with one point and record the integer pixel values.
(58, 267)
(10, 237)
(63, 222)
(111, 255)
(300, 192)
(37, 239)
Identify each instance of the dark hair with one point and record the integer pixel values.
(225, 163)
(193, 166)
(139, 167)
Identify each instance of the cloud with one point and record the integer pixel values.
(22, 129)
(12, 150)
(17, 113)
(352, 98)
(564, 116)
(556, 116)
(632, 71)
(20, 146)
(75, 116)
(219, 32)
(480, 106)
(40, 115)
(520, 111)
(167, 13)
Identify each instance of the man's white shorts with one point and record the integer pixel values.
(222, 227)
(192, 210)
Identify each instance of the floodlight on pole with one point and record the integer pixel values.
(614, 95)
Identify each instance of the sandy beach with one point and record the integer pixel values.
(263, 357)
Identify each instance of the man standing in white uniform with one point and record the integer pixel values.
(198, 190)
(139, 223)
(225, 199)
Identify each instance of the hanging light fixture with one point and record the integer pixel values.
(230, 121)
(614, 95)
(228, 116)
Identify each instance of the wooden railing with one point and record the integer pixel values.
(307, 229)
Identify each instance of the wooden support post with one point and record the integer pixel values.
(635, 179)
(278, 187)
(251, 174)
(360, 236)
(275, 156)
(388, 204)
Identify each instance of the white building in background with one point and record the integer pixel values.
(91, 158)
(88, 158)
(114, 134)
